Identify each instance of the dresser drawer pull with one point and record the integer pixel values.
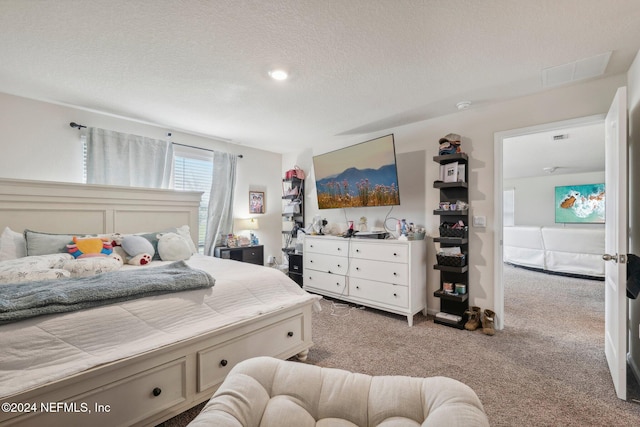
(290, 334)
(311, 261)
(395, 295)
(357, 287)
(357, 250)
(395, 274)
(223, 362)
(156, 391)
(337, 283)
(358, 268)
(395, 254)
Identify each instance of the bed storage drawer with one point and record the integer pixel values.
(121, 403)
(214, 363)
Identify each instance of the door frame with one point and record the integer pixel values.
(498, 144)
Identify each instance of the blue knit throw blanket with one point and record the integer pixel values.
(23, 300)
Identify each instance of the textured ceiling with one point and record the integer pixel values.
(356, 66)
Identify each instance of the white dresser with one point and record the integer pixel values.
(389, 275)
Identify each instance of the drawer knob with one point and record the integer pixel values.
(357, 250)
(358, 268)
(223, 362)
(357, 287)
(395, 274)
(156, 391)
(337, 284)
(395, 295)
(338, 265)
(395, 254)
(311, 261)
(339, 249)
(290, 334)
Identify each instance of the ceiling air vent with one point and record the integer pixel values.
(561, 136)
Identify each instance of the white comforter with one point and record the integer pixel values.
(37, 351)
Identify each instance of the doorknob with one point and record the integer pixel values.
(608, 257)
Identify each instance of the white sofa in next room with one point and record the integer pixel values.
(576, 251)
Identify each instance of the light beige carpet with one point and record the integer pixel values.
(546, 368)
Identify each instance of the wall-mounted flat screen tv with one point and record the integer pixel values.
(582, 203)
(361, 175)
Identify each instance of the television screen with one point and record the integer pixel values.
(580, 203)
(361, 175)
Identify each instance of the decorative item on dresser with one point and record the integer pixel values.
(453, 257)
(388, 275)
(250, 254)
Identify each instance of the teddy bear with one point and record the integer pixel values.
(173, 247)
(136, 250)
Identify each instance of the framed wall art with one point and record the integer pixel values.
(580, 203)
(256, 202)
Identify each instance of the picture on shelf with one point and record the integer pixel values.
(450, 172)
(256, 202)
(453, 172)
(583, 203)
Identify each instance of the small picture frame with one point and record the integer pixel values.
(451, 172)
(256, 202)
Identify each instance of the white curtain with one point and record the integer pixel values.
(115, 158)
(220, 214)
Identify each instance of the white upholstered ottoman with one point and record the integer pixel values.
(267, 392)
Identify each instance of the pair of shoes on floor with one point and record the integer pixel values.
(476, 318)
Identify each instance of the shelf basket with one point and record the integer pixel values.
(452, 260)
(454, 232)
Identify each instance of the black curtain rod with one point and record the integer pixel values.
(79, 126)
(199, 148)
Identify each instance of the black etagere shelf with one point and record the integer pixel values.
(453, 192)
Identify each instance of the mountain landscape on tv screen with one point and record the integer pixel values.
(355, 187)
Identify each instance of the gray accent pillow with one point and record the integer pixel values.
(39, 243)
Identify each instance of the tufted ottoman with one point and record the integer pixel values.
(268, 392)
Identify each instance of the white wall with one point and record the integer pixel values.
(477, 126)
(535, 197)
(633, 87)
(37, 143)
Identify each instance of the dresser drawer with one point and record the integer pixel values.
(325, 282)
(253, 255)
(327, 263)
(384, 293)
(326, 246)
(215, 362)
(380, 252)
(380, 271)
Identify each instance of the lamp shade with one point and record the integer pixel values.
(240, 224)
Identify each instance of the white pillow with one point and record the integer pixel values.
(185, 232)
(12, 245)
(84, 267)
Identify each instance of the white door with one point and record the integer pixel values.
(616, 241)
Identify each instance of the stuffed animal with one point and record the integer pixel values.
(89, 247)
(139, 250)
(173, 247)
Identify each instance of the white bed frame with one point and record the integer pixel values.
(148, 388)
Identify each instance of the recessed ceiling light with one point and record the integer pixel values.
(278, 74)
